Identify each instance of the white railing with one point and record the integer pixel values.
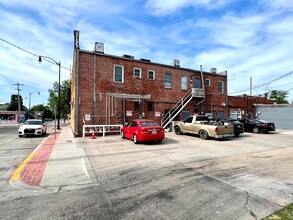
(100, 129)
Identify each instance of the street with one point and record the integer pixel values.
(248, 177)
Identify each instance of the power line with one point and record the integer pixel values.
(20, 48)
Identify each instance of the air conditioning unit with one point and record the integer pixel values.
(213, 70)
(176, 63)
(99, 47)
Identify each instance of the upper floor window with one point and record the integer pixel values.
(118, 74)
(151, 106)
(168, 80)
(208, 82)
(137, 72)
(151, 74)
(196, 83)
(221, 87)
(184, 82)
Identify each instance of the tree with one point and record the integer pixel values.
(53, 98)
(13, 106)
(280, 96)
(47, 113)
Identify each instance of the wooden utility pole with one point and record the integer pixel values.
(18, 100)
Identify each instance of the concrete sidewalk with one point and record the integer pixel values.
(56, 162)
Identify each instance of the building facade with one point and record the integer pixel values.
(108, 90)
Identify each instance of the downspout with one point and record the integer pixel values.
(77, 93)
(94, 98)
(203, 85)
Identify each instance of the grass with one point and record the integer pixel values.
(283, 214)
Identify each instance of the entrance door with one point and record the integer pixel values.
(196, 83)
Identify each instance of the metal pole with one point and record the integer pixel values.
(29, 106)
(58, 126)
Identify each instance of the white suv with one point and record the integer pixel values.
(32, 127)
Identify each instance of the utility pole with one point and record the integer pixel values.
(18, 100)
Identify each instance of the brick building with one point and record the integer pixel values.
(107, 89)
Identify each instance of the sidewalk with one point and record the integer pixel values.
(54, 163)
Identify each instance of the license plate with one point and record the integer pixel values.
(154, 131)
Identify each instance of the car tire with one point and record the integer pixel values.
(203, 134)
(20, 135)
(255, 130)
(159, 141)
(122, 135)
(177, 130)
(236, 134)
(135, 139)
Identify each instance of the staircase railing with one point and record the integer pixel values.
(178, 107)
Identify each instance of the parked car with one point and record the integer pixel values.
(32, 127)
(203, 127)
(256, 125)
(141, 130)
(238, 126)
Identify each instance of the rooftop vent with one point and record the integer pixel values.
(213, 70)
(176, 63)
(99, 47)
(145, 60)
(128, 56)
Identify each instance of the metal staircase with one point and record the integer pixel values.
(178, 107)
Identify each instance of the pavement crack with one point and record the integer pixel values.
(246, 206)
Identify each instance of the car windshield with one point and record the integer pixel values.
(260, 121)
(32, 123)
(148, 123)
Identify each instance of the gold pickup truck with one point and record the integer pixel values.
(203, 127)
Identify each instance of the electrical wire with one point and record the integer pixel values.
(18, 47)
(267, 83)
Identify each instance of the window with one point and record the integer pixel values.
(151, 106)
(208, 82)
(168, 80)
(118, 74)
(184, 82)
(221, 87)
(137, 72)
(151, 74)
(196, 83)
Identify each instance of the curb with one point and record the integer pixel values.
(33, 174)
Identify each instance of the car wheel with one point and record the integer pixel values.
(20, 136)
(178, 130)
(236, 134)
(203, 134)
(122, 135)
(255, 130)
(159, 141)
(135, 140)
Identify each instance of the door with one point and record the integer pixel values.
(196, 83)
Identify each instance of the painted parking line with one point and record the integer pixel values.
(16, 174)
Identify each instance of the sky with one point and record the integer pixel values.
(251, 40)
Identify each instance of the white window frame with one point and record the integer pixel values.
(208, 82)
(221, 89)
(154, 74)
(134, 72)
(184, 84)
(122, 74)
(168, 81)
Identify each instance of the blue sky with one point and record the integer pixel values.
(249, 39)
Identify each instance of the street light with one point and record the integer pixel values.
(59, 64)
(29, 103)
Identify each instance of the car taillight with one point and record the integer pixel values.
(264, 125)
(216, 130)
(145, 131)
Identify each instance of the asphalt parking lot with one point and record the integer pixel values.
(184, 177)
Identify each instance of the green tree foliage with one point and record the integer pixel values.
(280, 96)
(13, 106)
(47, 112)
(53, 98)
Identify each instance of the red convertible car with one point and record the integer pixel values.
(141, 130)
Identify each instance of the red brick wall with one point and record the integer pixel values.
(163, 98)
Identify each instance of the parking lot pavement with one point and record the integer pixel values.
(249, 176)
